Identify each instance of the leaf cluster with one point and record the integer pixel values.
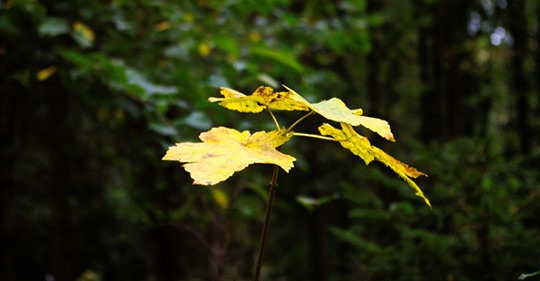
(224, 151)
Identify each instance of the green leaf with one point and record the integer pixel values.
(311, 202)
(53, 26)
(82, 60)
(284, 57)
(136, 78)
(229, 45)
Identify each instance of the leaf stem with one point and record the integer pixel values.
(300, 120)
(316, 137)
(273, 118)
(268, 214)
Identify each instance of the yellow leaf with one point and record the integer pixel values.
(405, 171)
(204, 48)
(228, 93)
(361, 147)
(84, 30)
(377, 125)
(235, 100)
(221, 198)
(45, 73)
(162, 26)
(278, 100)
(188, 17)
(255, 36)
(335, 109)
(266, 95)
(225, 151)
(262, 98)
(357, 144)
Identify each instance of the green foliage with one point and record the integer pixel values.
(466, 240)
(93, 92)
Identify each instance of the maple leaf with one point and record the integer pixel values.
(361, 147)
(235, 100)
(262, 98)
(225, 151)
(335, 109)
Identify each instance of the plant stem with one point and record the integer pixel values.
(300, 120)
(268, 214)
(315, 137)
(273, 118)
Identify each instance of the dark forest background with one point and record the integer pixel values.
(93, 92)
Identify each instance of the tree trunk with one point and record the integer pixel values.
(536, 135)
(519, 83)
(447, 85)
(59, 184)
(319, 261)
(8, 107)
(374, 65)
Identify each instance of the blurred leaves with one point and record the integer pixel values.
(115, 73)
(52, 26)
(83, 34)
(281, 56)
(311, 202)
(45, 73)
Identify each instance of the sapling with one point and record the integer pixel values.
(224, 151)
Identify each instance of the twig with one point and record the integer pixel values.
(300, 119)
(268, 214)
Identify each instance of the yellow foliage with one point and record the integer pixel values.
(235, 100)
(335, 109)
(204, 48)
(225, 151)
(357, 144)
(361, 147)
(45, 73)
(221, 198)
(162, 26)
(255, 36)
(262, 98)
(84, 30)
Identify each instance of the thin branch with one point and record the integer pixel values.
(268, 214)
(300, 120)
(317, 137)
(273, 118)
